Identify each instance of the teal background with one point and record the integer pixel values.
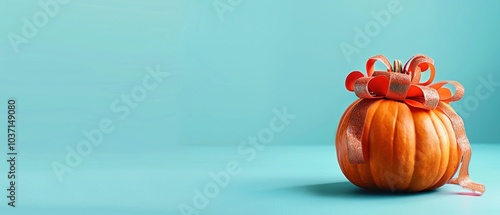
(226, 77)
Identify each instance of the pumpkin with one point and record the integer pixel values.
(402, 135)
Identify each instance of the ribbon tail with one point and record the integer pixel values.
(355, 128)
(463, 178)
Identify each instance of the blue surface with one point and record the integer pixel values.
(178, 89)
(279, 180)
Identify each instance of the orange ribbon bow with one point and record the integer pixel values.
(404, 85)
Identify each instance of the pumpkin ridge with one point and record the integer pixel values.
(380, 117)
(367, 139)
(414, 150)
(427, 157)
(396, 112)
(401, 149)
(436, 119)
(453, 151)
(370, 181)
(361, 178)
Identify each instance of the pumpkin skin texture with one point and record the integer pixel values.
(406, 149)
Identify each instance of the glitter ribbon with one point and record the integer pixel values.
(405, 86)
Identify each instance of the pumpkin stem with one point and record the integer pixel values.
(398, 66)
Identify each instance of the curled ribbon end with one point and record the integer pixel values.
(466, 183)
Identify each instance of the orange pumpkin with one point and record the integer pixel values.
(401, 135)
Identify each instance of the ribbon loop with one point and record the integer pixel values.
(370, 64)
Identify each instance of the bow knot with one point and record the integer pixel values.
(403, 85)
